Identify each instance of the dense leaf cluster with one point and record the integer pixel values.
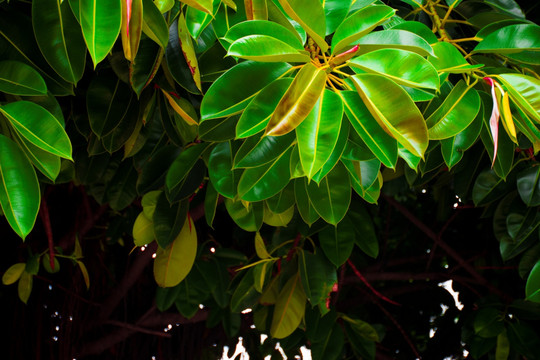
(258, 146)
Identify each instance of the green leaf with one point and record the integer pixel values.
(145, 66)
(38, 126)
(219, 130)
(202, 5)
(278, 219)
(303, 203)
(359, 24)
(448, 59)
(336, 153)
(100, 22)
(318, 134)
(24, 287)
(154, 25)
(528, 185)
(397, 39)
(523, 339)
(456, 113)
(365, 235)
(17, 78)
(263, 182)
(289, 309)
(488, 187)
(502, 351)
(131, 29)
(143, 230)
(182, 165)
(13, 273)
(174, 263)
(266, 49)
(247, 78)
(511, 39)
(310, 15)
(403, 67)
(19, 189)
(149, 202)
(259, 110)
(49, 164)
(488, 322)
(245, 295)
(261, 27)
(381, 144)
(298, 101)
(335, 12)
(331, 346)
(337, 242)
(332, 196)
(210, 203)
(419, 29)
(257, 151)
(256, 9)
(188, 50)
(168, 220)
(248, 216)
(363, 174)
(394, 110)
(282, 200)
(532, 288)
(220, 169)
(197, 21)
(523, 91)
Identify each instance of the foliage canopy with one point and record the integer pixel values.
(273, 155)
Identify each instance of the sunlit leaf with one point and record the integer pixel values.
(20, 79)
(132, 24)
(289, 309)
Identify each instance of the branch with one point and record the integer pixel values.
(363, 279)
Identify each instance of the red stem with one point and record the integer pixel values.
(364, 280)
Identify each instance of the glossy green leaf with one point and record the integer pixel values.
(318, 276)
(202, 5)
(197, 21)
(220, 169)
(38, 126)
(378, 141)
(219, 130)
(458, 111)
(488, 187)
(532, 288)
(19, 190)
(359, 24)
(394, 110)
(448, 59)
(331, 346)
(289, 309)
(362, 173)
(225, 18)
(132, 24)
(247, 78)
(335, 12)
(511, 39)
(174, 263)
(524, 91)
(49, 164)
(146, 64)
(488, 29)
(143, 230)
(332, 196)
(125, 126)
(278, 219)
(528, 185)
(13, 273)
(403, 67)
(397, 39)
(154, 25)
(488, 322)
(282, 200)
(188, 50)
(263, 182)
(245, 295)
(182, 165)
(256, 9)
(310, 15)
(211, 198)
(303, 203)
(336, 153)
(168, 220)
(248, 216)
(100, 22)
(260, 27)
(257, 151)
(298, 101)
(365, 235)
(337, 242)
(149, 201)
(318, 134)
(419, 29)
(502, 351)
(17, 78)
(59, 37)
(267, 49)
(259, 110)
(277, 14)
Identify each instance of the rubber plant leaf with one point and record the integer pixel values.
(131, 30)
(289, 309)
(266, 48)
(256, 9)
(18, 78)
(154, 24)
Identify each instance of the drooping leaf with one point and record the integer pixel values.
(282, 200)
(394, 110)
(38, 126)
(303, 203)
(132, 24)
(220, 169)
(174, 263)
(335, 12)
(197, 21)
(488, 187)
(146, 65)
(154, 25)
(289, 309)
(298, 101)
(101, 21)
(318, 134)
(24, 287)
(362, 173)
(19, 188)
(336, 153)
(365, 236)
(359, 24)
(523, 91)
(17, 78)
(337, 242)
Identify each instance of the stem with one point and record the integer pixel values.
(45, 219)
(437, 22)
(363, 279)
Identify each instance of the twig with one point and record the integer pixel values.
(46, 220)
(373, 290)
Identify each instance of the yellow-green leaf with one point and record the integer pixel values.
(84, 272)
(289, 309)
(179, 110)
(143, 230)
(298, 101)
(174, 263)
(13, 273)
(132, 23)
(188, 50)
(310, 15)
(260, 248)
(25, 286)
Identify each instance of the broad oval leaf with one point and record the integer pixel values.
(257, 151)
(247, 79)
(39, 127)
(268, 28)
(182, 165)
(24, 287)
(404, 67)
(100, 22)
(154, 25)
(289, 309)
(456, 113)
(13, 273)
(146, 64)
(282, 200)
(318, 276)
(332, 196)
(174, 263)
(197, 21)
(335, 12)
(511, 39)
(318, 134)
(528, 185)
(278, 219)
(49, 164)
(397, 39)
(448, 59)
(59, 38)
(220, 169)
(267, 49)
(310, 15)
(298, 101)
(17, 78)
(362, 173)
(259, 111)
(359, 24)
(524, 91)
(248, 216)
(143, 230)
(394, 110)
(188, 50)
(303, 203)
(19, 188)
(337, 242)
(419, 29)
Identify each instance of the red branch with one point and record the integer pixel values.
(45, 219)
(364, 280)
